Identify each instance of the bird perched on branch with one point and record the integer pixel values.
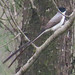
(53, 24)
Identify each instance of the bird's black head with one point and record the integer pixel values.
(62, 9)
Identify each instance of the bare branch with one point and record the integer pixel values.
(15, 12)
(25, 37)
(11, 40)
(72, 4)
(46, 43)
(7, 17)
(32, 2)
(12, 17)
(8, 29)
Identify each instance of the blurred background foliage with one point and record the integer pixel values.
(30, 20)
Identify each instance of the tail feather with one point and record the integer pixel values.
(23, 46)
(15, 52)
(15, 58)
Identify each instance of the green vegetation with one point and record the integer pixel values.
(5, 37)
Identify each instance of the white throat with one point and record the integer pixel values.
(64, 13)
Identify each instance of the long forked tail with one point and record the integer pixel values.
(15, 58)
(23, 46)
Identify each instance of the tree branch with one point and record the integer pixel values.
(11, 40)
(32, 2)
(25, 37)
(46, 43)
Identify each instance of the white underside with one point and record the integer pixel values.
(59, 24)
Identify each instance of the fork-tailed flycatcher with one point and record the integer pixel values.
(56, 22)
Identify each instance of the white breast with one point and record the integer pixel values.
(59, 24)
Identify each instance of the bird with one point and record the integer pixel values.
(53, 24)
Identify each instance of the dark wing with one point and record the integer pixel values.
(55, 20)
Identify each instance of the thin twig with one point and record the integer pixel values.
(8, 29)
(32, 2)
(3, 8)
(25, 37)
(11, 40)
(72, 4)
(12, 18)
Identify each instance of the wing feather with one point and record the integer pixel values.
(55, 20)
